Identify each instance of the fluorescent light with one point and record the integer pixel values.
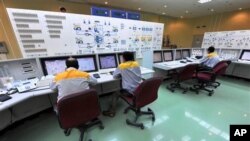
(165, 6)
(204, 1)
(139, 8)
(106, 2)
(163, 13)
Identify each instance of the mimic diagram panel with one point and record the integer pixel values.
(227, 39)
(42, 33)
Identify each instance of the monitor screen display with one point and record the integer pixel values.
(157, 57)
(168, 55)
(107, 61)
(197, 52)
(54, 67)
(178, 55)
(185, 53)
(120, 58)
(87, 63)
(245, 55)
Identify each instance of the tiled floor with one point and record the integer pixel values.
(179, 117)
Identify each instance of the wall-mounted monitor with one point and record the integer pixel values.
(186, 53)
(245, 55)
(107, 61)
(178, 55)
(55, 65)
(158, 56)
(168, 55)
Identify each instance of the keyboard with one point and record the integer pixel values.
(4, 97)
(43, 83)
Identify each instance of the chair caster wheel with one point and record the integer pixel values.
(67, 132)
(90, 139)
(101, 127)
(142, 127)
(184, 92)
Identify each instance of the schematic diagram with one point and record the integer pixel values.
(227, 39)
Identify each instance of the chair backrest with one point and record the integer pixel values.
(220, 68)
(78, 108)
(147, 91)
(187, 72)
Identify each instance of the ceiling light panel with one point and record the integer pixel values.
(204, 1)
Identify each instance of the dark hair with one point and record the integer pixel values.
(128, 56)
(72, 62)
(211, 49)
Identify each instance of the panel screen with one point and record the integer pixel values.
(157, 56)
(185, 53)
(178, 55)
(168, 55)
(107, 61)
(245, 55)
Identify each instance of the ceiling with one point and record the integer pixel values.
(175, 8)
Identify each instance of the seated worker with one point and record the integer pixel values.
(72, 80)
(130, 73)
(210, 60)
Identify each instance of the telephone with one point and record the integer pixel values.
(96, 75)
(25, 86)
(45, 81)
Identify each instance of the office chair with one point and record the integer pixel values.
(144, 94)
(79, 110)
(207, 78)
(185, 74)
(216, 84)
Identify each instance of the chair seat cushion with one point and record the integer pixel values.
(204, 76)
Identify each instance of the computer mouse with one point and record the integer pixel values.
(183, 62)
(189, 61)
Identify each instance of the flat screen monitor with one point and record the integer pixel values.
(168, 55)
(53, 66)
(186, 53)
(158, 56)
(245, 55)
(87, 63)
(197, 52)
(107, 61)
(229, 54)
(178, 55)
(120, 58)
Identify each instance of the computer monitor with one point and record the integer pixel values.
(120, 57)
(107, 61)
(245, 55)
(229, 54)
(186, 53)
(178, 55)
(55, 65)
(158, 56)
(197, 52)
(168, 55)
(87, 63)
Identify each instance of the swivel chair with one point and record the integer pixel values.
(207, 78)
(79, 110)
(185, 74)
(145, 93)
